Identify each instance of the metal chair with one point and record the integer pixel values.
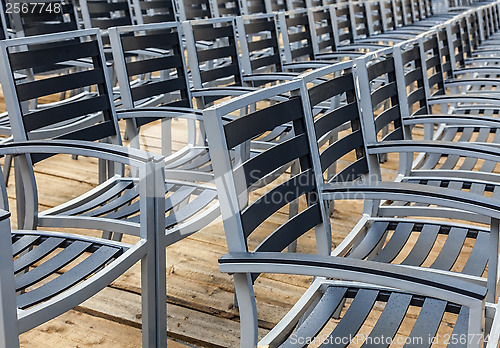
(253, 250)
(91, 119)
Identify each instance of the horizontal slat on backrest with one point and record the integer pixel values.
(411, 55)
(263, 44)
(415, 75)
(101, 7)
(156, 4)
(45, 117)
(331, 88)
(291, 230)
(257, 212)
(158, 87)
(48, 56)
(208, 32)
(384, 93)
(335, 118)
(158, 18)
(265, 61)
(380, 68)
(272, 159)
(352, 172)
(61, 83)
(218, 73)
(386, 117)
(150, 40)
(260, 24)
(48, 28)
(249, 126)
(216, 53)
(340, 148)
(151, 65)
(106, 23)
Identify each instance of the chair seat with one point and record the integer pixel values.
(115, 203)
(44, 263)
(438, 245)
(405, 318)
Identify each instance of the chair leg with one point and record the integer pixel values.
(248, 311)
(7, 166)
(148, 299)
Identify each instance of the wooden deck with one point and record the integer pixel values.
(200, 298)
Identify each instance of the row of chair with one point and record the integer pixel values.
(418, 249)
(138, 196)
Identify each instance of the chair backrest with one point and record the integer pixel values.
(457, 51)
(149, 63)
(212, 52)
(433, 71)
(473, 29)
(359, 20)
(244, 214)
(388, 14)
(278, 5)
(407, 10)
(153, 11)
(89, 117)
(341, 18)
(59, 17)
(249, 7)
(444, 52)
(296, 34)
(222, 8)
(193, 9)
(104, 14)
(337, 124)
(379, 96)
(322, 29)
(258, 38)
(410, 69)
(374, 17)
(399, 13)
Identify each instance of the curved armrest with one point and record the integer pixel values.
(477, 81)
(273, 76)
(221, 91)
(461, 98)
(339, 54)
(309, 64)
(161, 112)
(109, 152)
(403, 191)
(230, 91)
(452, 119)
(417, 281)
(480, 70)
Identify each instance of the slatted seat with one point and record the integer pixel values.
(253, 251)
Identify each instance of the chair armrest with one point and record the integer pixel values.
(414, 280)
(109, 152)
(477, 81)
(452, 119)
(276, 76)
(230, 91)
(161, 112)
(461, 98)
(403, 191)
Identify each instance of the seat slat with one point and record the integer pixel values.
(396, 243)
(23, 243)
(451, 249)
(354, 317)
(66, 280)
(391, 318)
(36, 254)
(476, 263)
(370, 241)
(422, 246)
(50, 266)
(461, 329)
(427, 324)
(318, 318)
